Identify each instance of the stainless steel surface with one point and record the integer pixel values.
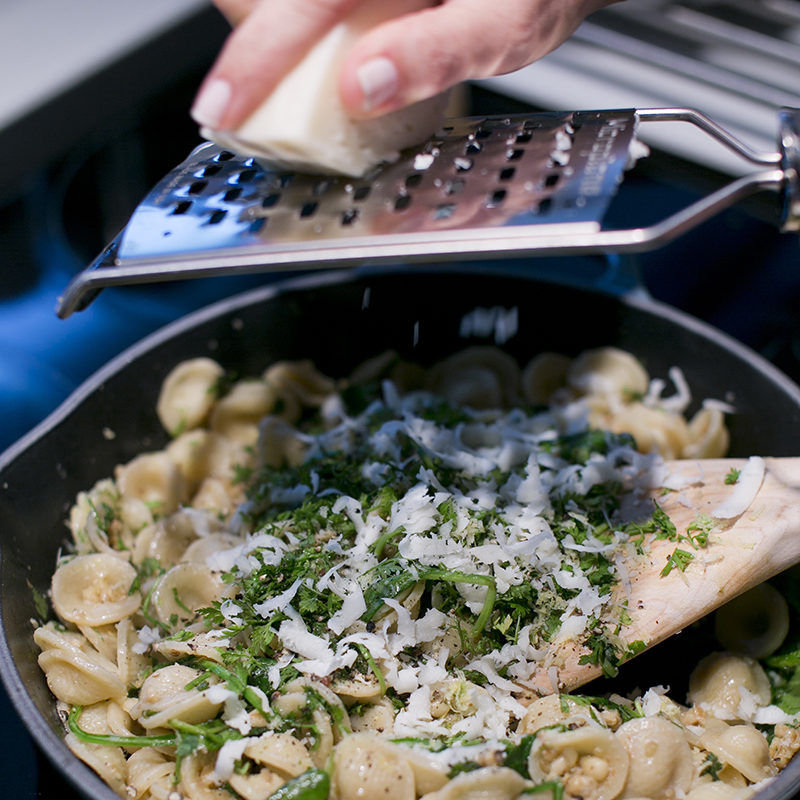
(738, 60)
(790, 148)
(529, 185)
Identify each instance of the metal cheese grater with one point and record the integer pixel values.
(526, 185)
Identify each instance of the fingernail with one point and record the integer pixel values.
(379, 80)
(210, 105)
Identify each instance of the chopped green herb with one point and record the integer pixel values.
(678, 559)
(711, 766)
(732, 476)
(313, 784)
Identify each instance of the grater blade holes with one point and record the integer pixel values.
(496, 167)
(182, 207)
(309, 209)
(444, 211)
(217, 216)
(245, 176)
(453, 187)
(496, 198)
(349, 216)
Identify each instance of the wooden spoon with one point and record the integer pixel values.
(741, 552)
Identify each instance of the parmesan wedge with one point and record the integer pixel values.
(302, 125)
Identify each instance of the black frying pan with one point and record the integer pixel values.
(338, 320)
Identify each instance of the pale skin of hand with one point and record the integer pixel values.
(420, 53)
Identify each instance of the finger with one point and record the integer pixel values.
(258, 53)
(235, 11)
(421, 54)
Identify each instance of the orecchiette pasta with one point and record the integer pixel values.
(607, 371)
(188, 394)
(94, 590)
(76, 676)
(147, 768)
(481, 377)
(720, 680)
(109, 762)
(543, 376)
(341, 589)
(164, 697)
(365, 766)
(182, 591)
(237, 414)
(741, 747)
(278, 757)
(588, 759)
(754, 624)
(155, 479)
(661, 766)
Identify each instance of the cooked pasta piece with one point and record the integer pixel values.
(754, 624)
(543, 376)
(237, 414)
(479, 377)
(184, 589)
(608, 371)
(76, 676)
(365, 766)
(588, 760)
(108, 762)
(95, 589)
(155, 479)
(164, 697)
(708, 436)
(661, 765)
(188, 393)
(720, 681)
(148, 768)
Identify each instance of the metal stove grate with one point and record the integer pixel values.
(751, 49)
(737, 60)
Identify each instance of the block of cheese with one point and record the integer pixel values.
(302, 125)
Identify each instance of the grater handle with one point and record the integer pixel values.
(789, 141)
(707, 125)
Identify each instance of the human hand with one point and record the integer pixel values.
(406, 59)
